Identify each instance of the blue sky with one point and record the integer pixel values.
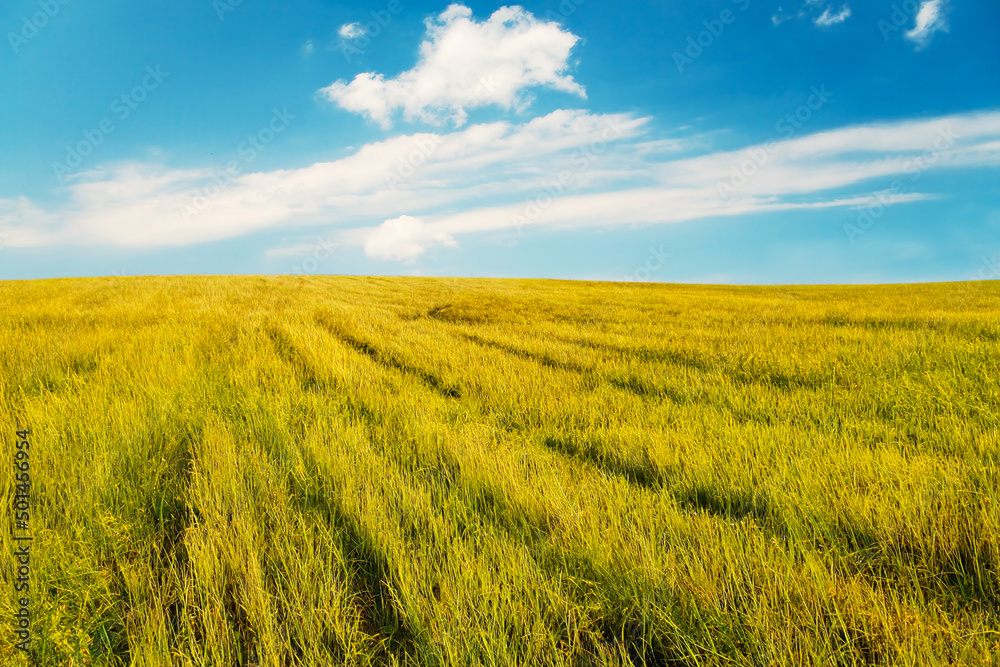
(733, 141)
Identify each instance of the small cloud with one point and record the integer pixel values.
(828, 18)
(810, 9)
(404, 238)
(351, 30)
(307, 49)
(930, 19)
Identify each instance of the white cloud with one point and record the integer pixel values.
(404, 238)
(809, 8)
(828, 18)
(351, 30)
(930, 19)
(24, 224)
(140, 205)
(307, 48)
(482, 177)
(465, 64)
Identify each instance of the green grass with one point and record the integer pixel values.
(373, 471)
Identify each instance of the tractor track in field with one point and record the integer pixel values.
(386, 358)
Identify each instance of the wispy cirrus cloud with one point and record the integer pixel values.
(829, 18)
(479, 179)
(930, 19)
(825, 19)
(465, 64)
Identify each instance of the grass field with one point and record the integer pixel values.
(369, 471)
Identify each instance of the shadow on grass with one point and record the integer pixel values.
(641, 473)
(329, 324)
(646, 474)
(370, 575)
(962, 570)
(736, 506)
(109, 635)
(539, 358)
(623, 627)
(640, 387)
(309, 377)
(645, 353)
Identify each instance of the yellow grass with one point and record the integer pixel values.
(370, 471)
